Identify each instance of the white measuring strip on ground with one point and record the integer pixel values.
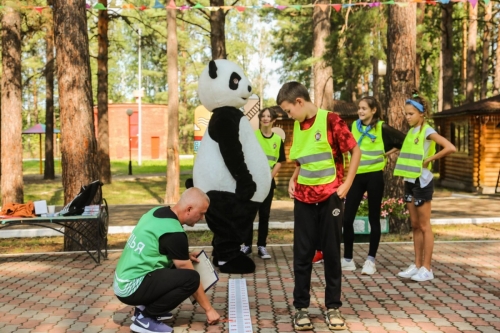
(239, 311)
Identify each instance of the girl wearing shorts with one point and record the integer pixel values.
(414, 164)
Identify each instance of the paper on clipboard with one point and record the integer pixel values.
(208, 275)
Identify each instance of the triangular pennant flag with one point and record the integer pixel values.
(241, 9)
(212, 9)
(337, 7)
(184, 7)
(374, 4)
(267, 6)
(172, 5)
(99, 6)
(158, 5)
(39, 9)
(486, 2)
(347, 5)
(323, 7)
(128, 6)
(142, 8)
(298, 7)
(391, 2)
(281, 7)
(87, 6)
(473, 3)
(402, 4)
(226, 7)
(197, 6)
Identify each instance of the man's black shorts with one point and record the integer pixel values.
(420, 194)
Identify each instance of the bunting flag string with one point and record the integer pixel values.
(171, 5)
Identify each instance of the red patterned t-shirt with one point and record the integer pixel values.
(341, 141)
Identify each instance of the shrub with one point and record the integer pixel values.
(389, 207)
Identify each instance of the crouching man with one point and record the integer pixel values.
(145, 276)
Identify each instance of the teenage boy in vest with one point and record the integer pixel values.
(144, 276)
(319, 140)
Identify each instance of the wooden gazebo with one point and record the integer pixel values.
(474, 129)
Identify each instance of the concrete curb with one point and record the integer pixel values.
(42, 232)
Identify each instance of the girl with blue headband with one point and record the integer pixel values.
(376, 140)
(414, 164)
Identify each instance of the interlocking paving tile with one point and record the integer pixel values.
(67, 292)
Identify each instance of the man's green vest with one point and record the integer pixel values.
(141, 254)
(411, 157)
(372, 152)
(311, 149)
(270, 146)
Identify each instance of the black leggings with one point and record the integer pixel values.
(373, 183)
(163, 290)
(264, 213)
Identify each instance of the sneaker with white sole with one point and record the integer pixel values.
(409, 272)
(166, 316)
(143, 324)
(318, 257)
(246, 249)
(263, 252)
(423, 274)
(369, 268)
(347, 265)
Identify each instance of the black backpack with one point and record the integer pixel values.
(84, 198)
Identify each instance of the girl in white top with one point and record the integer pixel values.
(418, 191)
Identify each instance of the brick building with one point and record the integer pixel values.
(123, 129)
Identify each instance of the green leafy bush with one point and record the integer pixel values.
(389, 207)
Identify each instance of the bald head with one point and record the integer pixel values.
(193, 196)
(192, 206)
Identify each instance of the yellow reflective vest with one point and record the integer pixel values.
(411, 157)
(311, 149)
(372, 152)
(270, 146)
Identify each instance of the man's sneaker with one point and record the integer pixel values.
(334, 320)
(263, 252)
(143, 324)
(409, 272)
(246, 249)
(369, 268)
(347, 265)
(318, 257)
(301, 321)
(422, 275)
(166, 316)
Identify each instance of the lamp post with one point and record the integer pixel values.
(129, 112)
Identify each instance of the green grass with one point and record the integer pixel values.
(118, 168)
(142, 190)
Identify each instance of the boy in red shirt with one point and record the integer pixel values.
(319, 140)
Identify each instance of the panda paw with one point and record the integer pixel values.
(245, 190)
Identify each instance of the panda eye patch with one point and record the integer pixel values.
(234, 81)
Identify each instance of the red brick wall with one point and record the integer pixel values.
(153, 125)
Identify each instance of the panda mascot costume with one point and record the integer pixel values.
(230, 167)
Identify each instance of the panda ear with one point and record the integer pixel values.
(212, 69)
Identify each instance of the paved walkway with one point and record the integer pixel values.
(61, 292)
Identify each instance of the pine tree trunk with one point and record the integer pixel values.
(11, 108)
(323, 74)
(172, 125)
(471, 55)
(401, 61)
(496, 82)
(78, 143)
(420, 21)
(447, 54)
(104, 163)
(463, 66)
(486, 50)
(49, 172)
(217, 31)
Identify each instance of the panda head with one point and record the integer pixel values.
(223, 83)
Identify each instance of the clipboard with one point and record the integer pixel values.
(208, 275)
